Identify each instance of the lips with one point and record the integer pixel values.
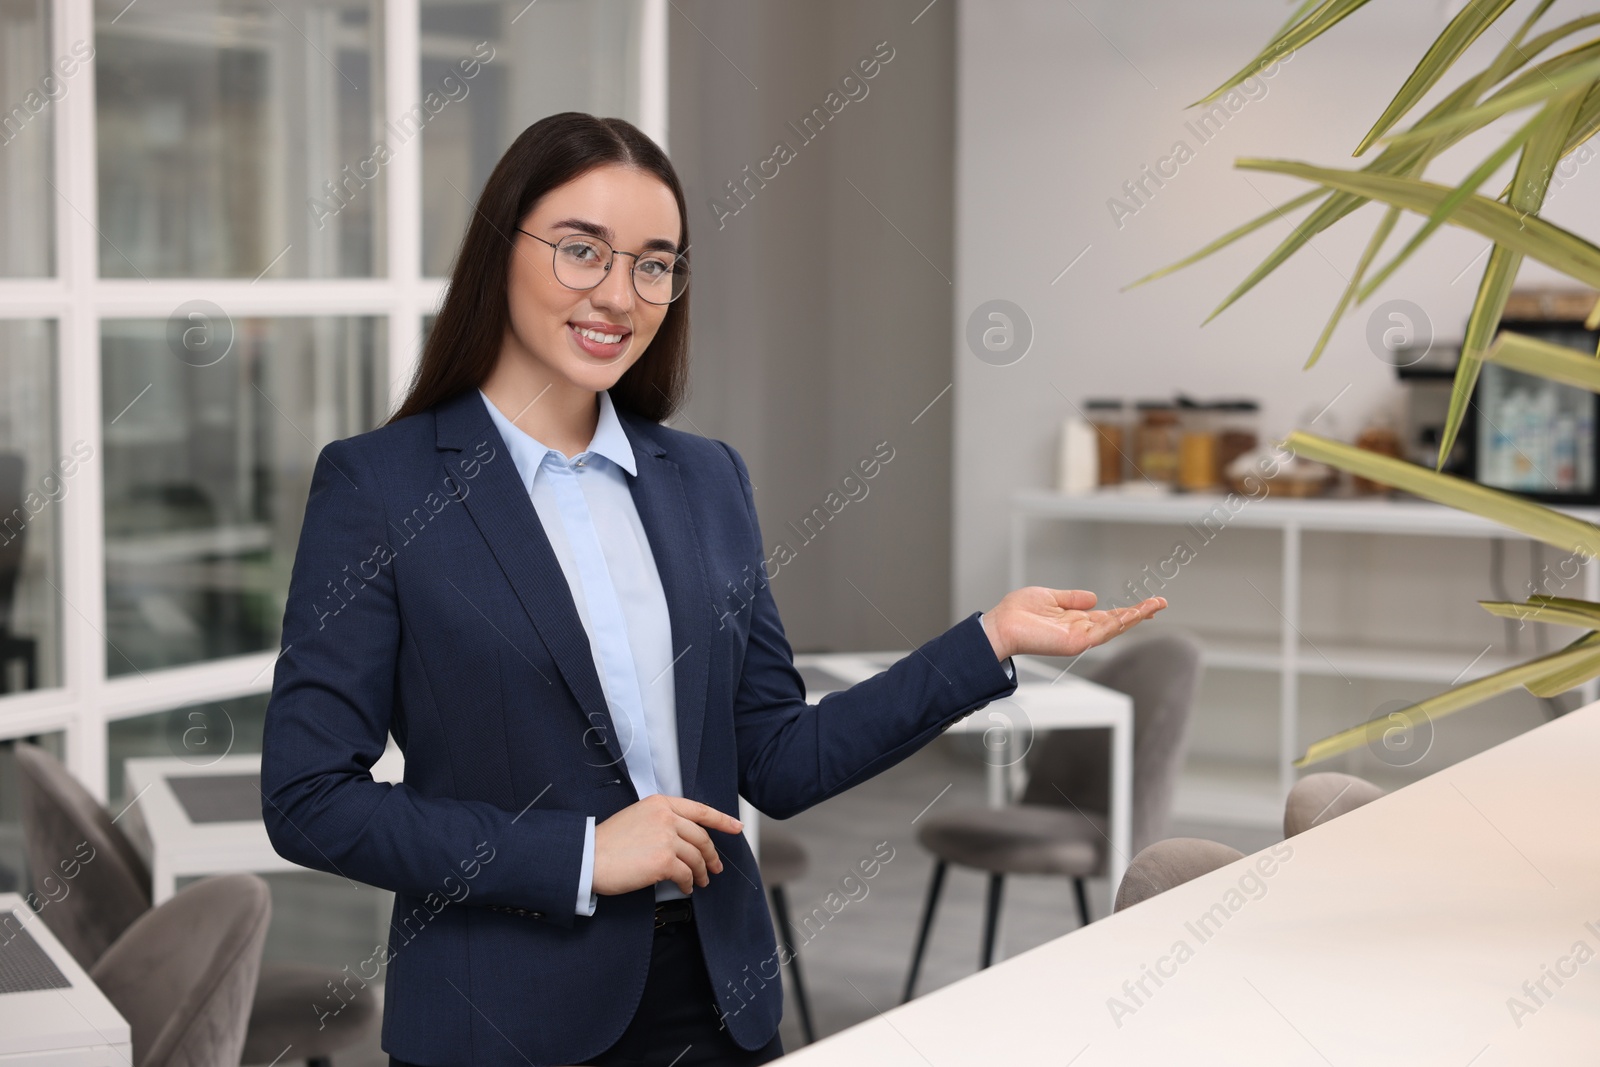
(595, 338)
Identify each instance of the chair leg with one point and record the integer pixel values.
(991, 918)
(1083, 901)
(934, 885)
(780, 904)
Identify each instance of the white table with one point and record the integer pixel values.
(1046, 698)
(1396, 934)
(177, 847)
(74, 1026)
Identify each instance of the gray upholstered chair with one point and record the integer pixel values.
(783, 860)
(62, 822)
(1159, 867)
(1317, 798)
(1060, 825)
(75, 852)
(183, 974)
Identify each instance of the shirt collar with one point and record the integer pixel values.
(528, 453)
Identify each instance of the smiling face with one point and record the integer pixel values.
(586, 339)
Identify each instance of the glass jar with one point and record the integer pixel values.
(1238, 424)
(1110, 420)
(1197, 446)
(1378, 436)
(1157, 457)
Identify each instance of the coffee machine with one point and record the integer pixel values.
(1522, 433)
(1429, 376)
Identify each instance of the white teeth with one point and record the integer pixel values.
(595, 335)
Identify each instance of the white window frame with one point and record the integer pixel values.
(77, 299)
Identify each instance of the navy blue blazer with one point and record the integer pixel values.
(426, 601)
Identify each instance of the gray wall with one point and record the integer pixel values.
(820, 330)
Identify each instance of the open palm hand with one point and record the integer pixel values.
(1038, 621)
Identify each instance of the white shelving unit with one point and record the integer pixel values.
(1291, 656)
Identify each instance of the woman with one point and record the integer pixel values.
(547, 597)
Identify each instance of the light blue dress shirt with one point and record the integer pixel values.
(1006, 663)
(588, 514)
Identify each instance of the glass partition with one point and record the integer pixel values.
(199, 734)
(236, 138)
(36, 473)
(30, 84)
(208, 462)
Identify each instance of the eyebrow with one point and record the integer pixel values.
(605, 233)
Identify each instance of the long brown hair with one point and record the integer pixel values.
(466, 338)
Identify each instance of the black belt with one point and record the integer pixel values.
(678, 910)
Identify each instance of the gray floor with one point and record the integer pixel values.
(854, 961)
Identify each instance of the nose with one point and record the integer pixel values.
(616, 291)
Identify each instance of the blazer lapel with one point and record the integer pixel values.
(663, 507)
(500, 506)
(502, 511)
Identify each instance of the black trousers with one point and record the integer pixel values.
(676, 1024)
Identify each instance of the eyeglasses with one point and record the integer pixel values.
(582, 262)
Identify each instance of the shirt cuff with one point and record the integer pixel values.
(586, 896)
(1005, 663)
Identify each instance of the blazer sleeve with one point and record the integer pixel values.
(328, 719)
(793, 755)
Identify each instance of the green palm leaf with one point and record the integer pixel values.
(1374, 244)
(1527, 234)
(1231, 236)
(1578, 68)
(1568, 676)
(1549, 37)
(1535, 520)
(1468, 25)
(1546, 360)
(1581, 656)
(1555, 611)
(1296, 36)
(1586, 125)
(1327, 213)
(1469, 185)
(1551, 116)
(1404, 159)
(1299, 13)
(1528, 187)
